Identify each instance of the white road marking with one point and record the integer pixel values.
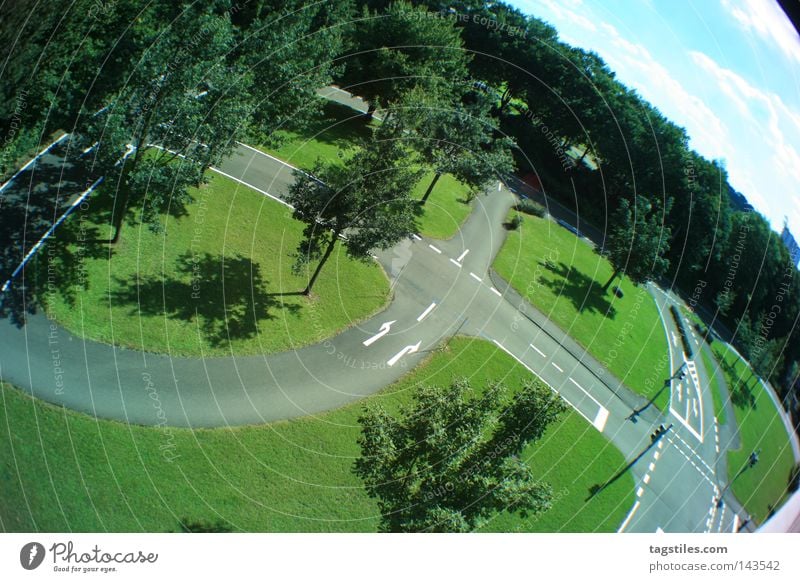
(639, 491)
(31, 161)
(660, 444)
(406, 350)
(499, 185)
(496, 292)
(265, 154)
(735, 527)
(50, 231)
(428, 309)
(656, 455)
(659, 530)
(456, 263)
(646, 479)
(382, 331)
(629, 517)
(556, 366)
(538, 351)
(434, 249)
(600, 406)
(474, 276)
(462, 255)
(601, 418)
(694, 406)
(240, 181)
(416, 237)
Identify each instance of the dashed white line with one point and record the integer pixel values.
(474, 276)
(639, 491)
(538, 351)
(646, 479)
(496, 292)
(652, 466)
(416, 236)
(434, 249)
(456, 263)
(556, 366)
(656, 455)
(462, 255)
(425, 313)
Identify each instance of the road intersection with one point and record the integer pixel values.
(440, 288)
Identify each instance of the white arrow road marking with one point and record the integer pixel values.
(384, 329)
(674, 339)
(406, 350)
(694, 406)
(425, 313)
(434, 249)
(462, 255)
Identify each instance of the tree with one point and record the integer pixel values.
(459, 139)
(401, 48)
(448, 462)
(367, 199)
(637, 241)
(178, 113)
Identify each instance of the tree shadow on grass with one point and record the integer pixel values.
(226, 296)
(584, 292)
(741, 392)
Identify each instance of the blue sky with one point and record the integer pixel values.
(726, 70)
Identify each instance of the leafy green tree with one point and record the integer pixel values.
(367, 200)
(449, 462)
(460, 139)
(398, 49)
(287, 45)
(637, 241)
(179, 112)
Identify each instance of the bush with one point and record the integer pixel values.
(530, 207)
(514, 223)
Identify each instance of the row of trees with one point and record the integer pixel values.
(667, 211)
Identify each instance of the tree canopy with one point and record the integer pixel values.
(451, 460)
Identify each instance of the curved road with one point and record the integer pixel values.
(440, 288)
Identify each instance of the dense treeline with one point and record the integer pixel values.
(126, 74)
(553, 98)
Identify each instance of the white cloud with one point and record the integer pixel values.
(766, 19)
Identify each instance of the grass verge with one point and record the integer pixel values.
(65, 471)
(561, 275)
(216, 281)
(763, 487)
(335, 138)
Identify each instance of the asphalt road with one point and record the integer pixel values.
(440, 288)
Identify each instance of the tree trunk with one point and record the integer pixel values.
(322, 261)
(119, 216)
(608, 283)
(424, 198)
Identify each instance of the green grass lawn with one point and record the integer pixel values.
(714, 373)
(335, 138)
(64, 471)
(445, 210)
(211, 282)
(760, 429)
(562, 276)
